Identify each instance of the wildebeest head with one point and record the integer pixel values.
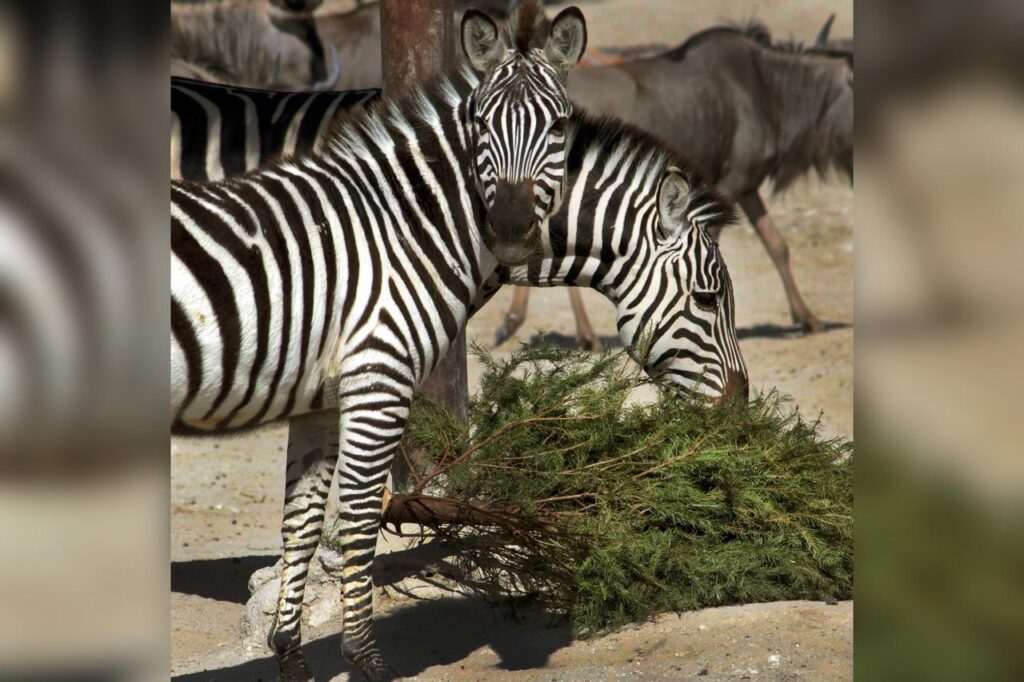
(517, 118)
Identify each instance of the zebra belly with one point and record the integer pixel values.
(254, 379)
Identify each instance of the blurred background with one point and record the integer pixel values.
(91, 516)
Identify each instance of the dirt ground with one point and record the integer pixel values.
(226, 494)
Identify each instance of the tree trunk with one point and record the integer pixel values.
(416, 44)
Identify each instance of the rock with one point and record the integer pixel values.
(321, 602)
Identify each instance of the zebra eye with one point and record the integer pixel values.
(558, 127)
(706, 300)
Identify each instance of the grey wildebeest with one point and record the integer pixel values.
(267, 43)
(742, 110)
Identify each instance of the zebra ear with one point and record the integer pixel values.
(673, 199)
(567, 40)
(480, 40)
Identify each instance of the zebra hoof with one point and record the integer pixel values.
(588, 344)
(376, 670)
(294, 669)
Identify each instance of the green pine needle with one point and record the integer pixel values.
(635, 510)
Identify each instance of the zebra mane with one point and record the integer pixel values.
(616, 136)
(526, 26)
(412, 107)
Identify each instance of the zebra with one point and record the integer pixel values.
(219, 131)
(637, 226)
(323, 289)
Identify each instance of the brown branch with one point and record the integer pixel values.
(564, 498)
(500, 432)
(671, 460)
(426, 510)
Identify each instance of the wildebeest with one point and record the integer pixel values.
(742, 109)
(268, 43)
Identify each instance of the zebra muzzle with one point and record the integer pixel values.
(513, 253)
(512, 231)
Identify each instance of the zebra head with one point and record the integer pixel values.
(516, 120)
(684, 310)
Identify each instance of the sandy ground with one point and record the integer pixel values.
(226, 495)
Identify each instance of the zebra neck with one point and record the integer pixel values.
(609, 203)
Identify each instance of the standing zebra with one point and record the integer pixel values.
(218, 131)
(323, 289)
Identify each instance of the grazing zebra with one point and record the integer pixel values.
(323, 289)
(218, 131)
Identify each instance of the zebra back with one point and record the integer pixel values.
(220, 131)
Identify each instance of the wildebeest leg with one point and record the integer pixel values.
(584, 331)
(312, 455)
(303, 27)
(753, 206)
(370, 431)
(515, 316)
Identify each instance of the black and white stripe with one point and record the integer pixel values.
(219, 131)
(515, 143)
(324, 288)
(700, 265)
(635, 226)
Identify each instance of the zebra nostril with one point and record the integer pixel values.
(736, 385)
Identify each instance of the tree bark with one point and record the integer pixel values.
(424, 510)
(417, 44)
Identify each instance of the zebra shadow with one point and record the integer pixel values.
(559, 340)
(227, 579)
(781, 331)
(220, 579)
(414, 636)
(757, 331)
(421, 635)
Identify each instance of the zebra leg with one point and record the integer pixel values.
(777, 248)
(312, 455)
(584, 331)
(515, 316)
(370, 435)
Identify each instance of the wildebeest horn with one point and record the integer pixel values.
(822, 39)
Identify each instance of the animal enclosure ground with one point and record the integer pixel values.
(226, 495)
